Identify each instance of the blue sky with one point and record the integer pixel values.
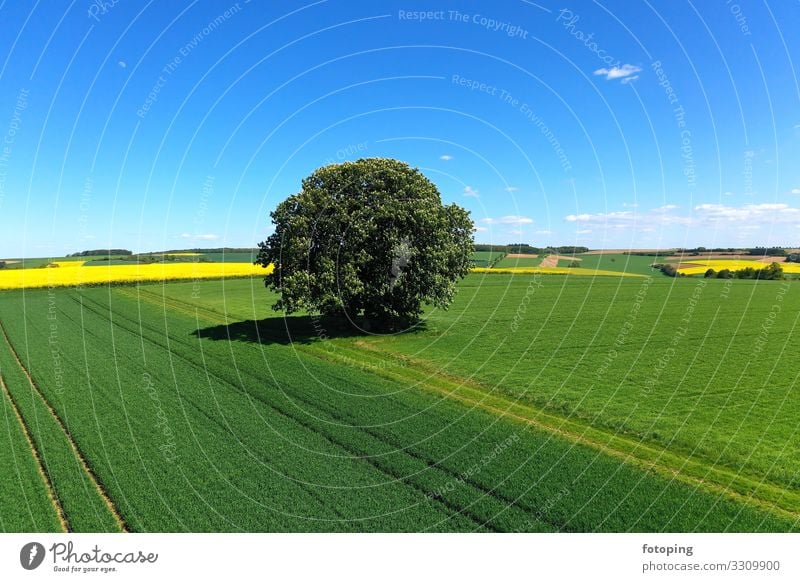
(607, 124)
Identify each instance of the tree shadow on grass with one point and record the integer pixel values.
(296, 329)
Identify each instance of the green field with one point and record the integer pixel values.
(194, 407)
(618, 262)
(518, 262)
(485, 258)
(36, 263)
(237, 256)
(232, 257)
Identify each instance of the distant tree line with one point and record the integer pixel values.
(771, 272)
(793, 258)
(526, 249)
(101, 252)
(753, 251)
(215, 250)
(768, 273)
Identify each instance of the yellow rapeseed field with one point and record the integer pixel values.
(73, 273)
(556, 271)
(733, 265)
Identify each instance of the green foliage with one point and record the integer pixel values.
(769, 273)
(368, 237)
(668, 269)
(524, 248)
(767, 251)
(101, 252)
(710, 274)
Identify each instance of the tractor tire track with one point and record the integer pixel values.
(48, 484)
(336, 415)
(671, 464)
(90, 473)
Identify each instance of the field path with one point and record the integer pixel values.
(89, 473)
(62, 520)
(549, 261)
(419, 374)
(743, 488)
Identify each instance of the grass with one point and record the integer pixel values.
(510, 262)
(639, 265)
(24, 499)
(684, 364)
(552, 271)
(485, 258)
(197, 413)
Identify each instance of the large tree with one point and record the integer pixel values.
(370, 238)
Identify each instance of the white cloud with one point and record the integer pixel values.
(510, 189)
(609, 217)
(510, 219)
(480, 229)
(543, 232)
(470, 192)
(627, 80)
(584, 231)
(630, 205)
(704, 217)
(622, 72)
(188, 236)
(795, 191)
(446, 157)
(747, 214)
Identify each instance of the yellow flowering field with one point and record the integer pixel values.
(555, 271)
(733, 265)
(73, 273)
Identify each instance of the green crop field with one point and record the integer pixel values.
(619, 262)
(518, 262)
(192, 406)
(485, 258)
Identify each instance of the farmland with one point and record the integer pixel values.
(700, 266)
(519, 261)
(485, 258)
(619, 262)
(72, 273)
(191, 406)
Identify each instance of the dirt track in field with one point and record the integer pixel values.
(37, 457)
(79, 456)
(521, 256)
(552, 260)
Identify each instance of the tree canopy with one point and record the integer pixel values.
(370, 238)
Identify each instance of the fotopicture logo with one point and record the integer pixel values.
(31, 555)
